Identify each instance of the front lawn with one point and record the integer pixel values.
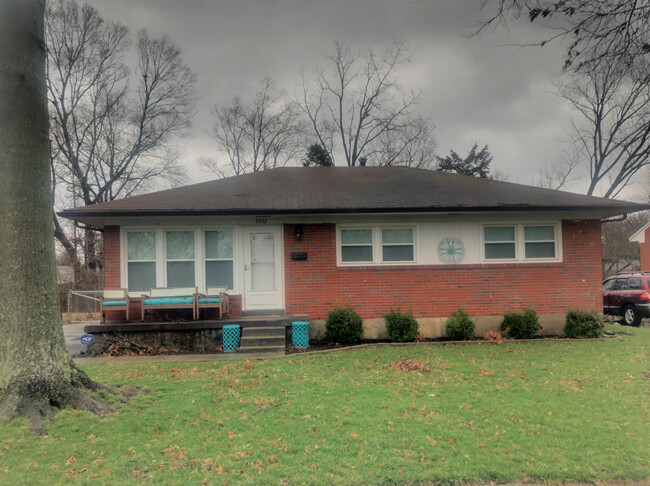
(543, 411)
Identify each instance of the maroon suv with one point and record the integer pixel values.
(628, 295)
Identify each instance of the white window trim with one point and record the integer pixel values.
(161, 254)
(520, 243)
(377, 244)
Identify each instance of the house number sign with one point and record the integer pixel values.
(261, 219)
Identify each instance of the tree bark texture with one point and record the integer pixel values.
(36, 372)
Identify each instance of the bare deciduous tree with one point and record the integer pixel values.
(37, 374)
(263, 135)
(611, 130)
(356, 107)
(595, 31)
(412, 145)
(112, 131)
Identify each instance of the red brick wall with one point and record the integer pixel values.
(313, 286)
(645, 252)
(112, 257)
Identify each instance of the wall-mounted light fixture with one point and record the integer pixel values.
(297, 234)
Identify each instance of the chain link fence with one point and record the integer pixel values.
(83, 305)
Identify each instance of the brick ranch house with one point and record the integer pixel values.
(306, 239)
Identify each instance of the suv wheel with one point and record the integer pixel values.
(630, 316)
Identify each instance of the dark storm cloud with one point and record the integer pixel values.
(475, 90)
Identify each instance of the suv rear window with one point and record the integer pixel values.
(621, 284)
(636, 283)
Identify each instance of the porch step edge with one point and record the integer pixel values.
(261, 349)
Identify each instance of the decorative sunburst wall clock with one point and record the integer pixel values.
(451, 250)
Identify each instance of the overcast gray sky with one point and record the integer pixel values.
(475, 89)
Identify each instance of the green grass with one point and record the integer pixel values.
(542, 411)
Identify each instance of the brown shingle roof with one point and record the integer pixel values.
(298, 190)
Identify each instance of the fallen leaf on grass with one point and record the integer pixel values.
(410, 365)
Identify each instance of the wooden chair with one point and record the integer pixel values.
(170, 298)
(114, 300)
(214, 298)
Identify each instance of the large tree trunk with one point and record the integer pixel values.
(36, 372)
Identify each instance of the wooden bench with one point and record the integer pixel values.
(114, 300)
(170, 298)
(214, 298)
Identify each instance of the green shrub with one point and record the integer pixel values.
(584, 324)
(402, 327)
(459, 326)
(520, 325)
(343, 326)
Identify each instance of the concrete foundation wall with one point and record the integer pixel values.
(434, 327)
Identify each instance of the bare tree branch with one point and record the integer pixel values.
(263, 135)
(357, 101)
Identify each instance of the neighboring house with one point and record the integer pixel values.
(307, 239)
(642, 237)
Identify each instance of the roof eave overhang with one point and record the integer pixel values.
(93, 217)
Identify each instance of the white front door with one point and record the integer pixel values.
(263, 268)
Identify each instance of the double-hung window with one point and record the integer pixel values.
(500, 242)
(357, 246)
(141, 260)
(219, 258)
(397, 245)
(180, 257)
(521, 242)
(539, 241)
(377, 245)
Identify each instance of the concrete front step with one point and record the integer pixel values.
(262, 340)
(264, 331)
(261, 349)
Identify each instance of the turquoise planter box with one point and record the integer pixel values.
(300, 334)
(231, 337)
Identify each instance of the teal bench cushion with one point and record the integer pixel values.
(111, 303)
(169, 301)
(209, 301)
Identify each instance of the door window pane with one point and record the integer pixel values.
(621, 284)
(262, 248)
